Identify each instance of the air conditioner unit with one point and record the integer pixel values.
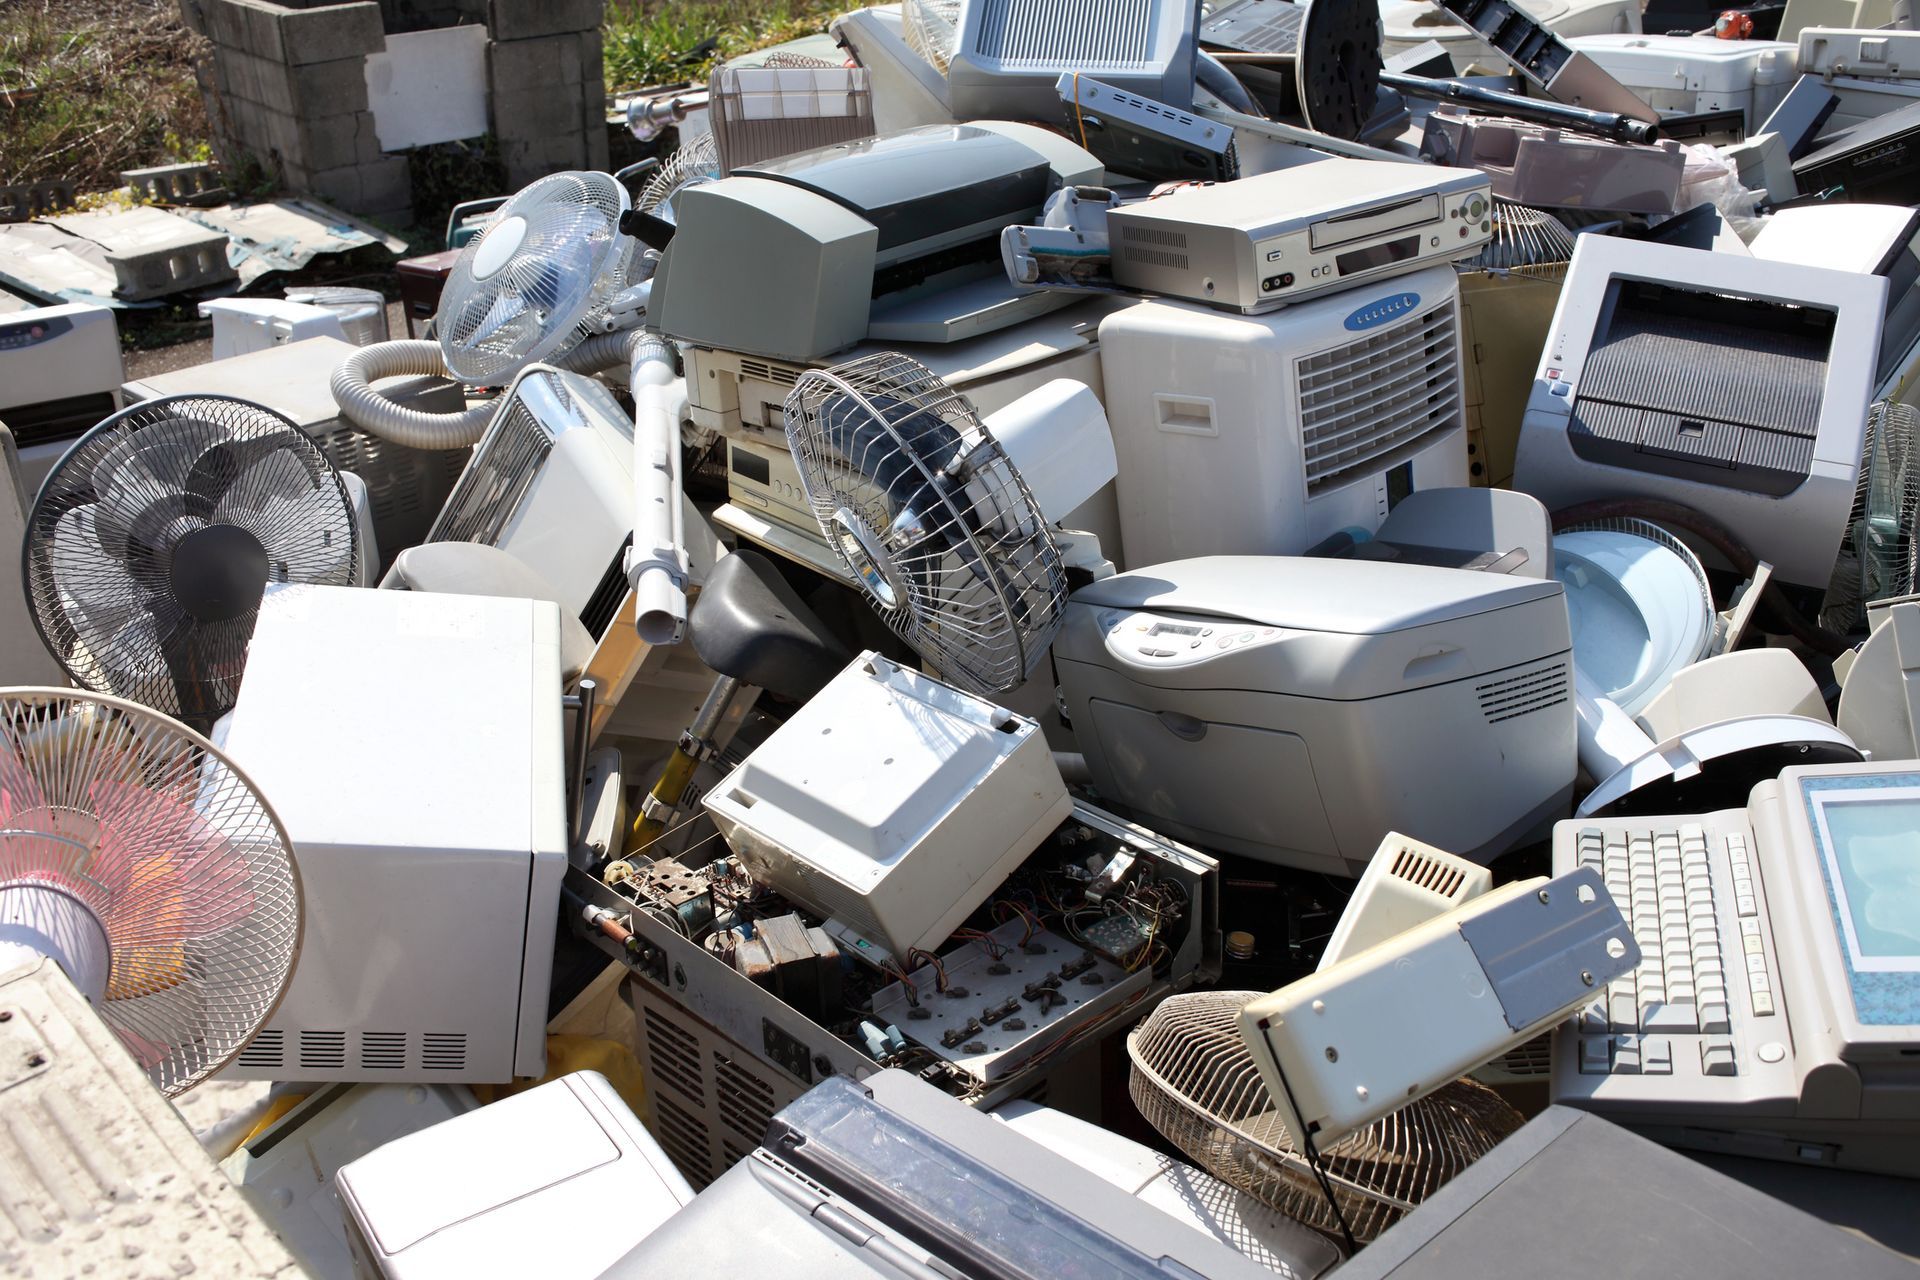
(24, 658)
(425, 798)
(1010, 53)
(60, 374)
(1265, 434)
(551, 482)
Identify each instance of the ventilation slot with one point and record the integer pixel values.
(268, 1049)
(1534, 1058)
(323, 1050)
(606, 599)
(745, 1101)
(1422, 872)
(1154, 257)
(383, 1050)
(684, 1138)
(1154, 235)
(779, 374)
(1045, 35)
(443, 1051)
(1369, 403)
(675, 1058)
(1524, 693)
(504, 466)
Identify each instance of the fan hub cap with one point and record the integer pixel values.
(497, 248)
(219, 572)
(869, 559)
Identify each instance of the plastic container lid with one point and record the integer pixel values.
(1639, 606)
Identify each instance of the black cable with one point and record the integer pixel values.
(1313, 1158)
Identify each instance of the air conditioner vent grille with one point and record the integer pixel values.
(1048, 35)
(1381, 396)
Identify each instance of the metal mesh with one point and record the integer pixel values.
(788, 58)
(538, 280)
(926, 510)
(1879, 556)
(932, 28)
(1195, 1082)
(154, 536)
(697, 161)
(1525, 240)
(172, 851)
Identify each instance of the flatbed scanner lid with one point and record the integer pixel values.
(1301, 593)
(918, 183)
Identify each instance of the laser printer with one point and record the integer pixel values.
(1707, 379)
(894, 238)
(1296, 710)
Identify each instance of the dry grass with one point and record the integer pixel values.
(91, 87)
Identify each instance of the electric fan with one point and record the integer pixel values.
(696, 161)
(155, 535)
(932, 28)
(1338, 66)
(930, 515)
(1878, 554)
(1526, 240)
(142, 862)
(1195, 1082)
(538, 281)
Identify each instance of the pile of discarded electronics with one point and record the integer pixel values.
(1135, 641)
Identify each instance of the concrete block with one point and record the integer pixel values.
(598, 147)
(335, 186)
(527, 159)
(592, 57)
(152, 252)
(543, 65)
(264, 37)
(386, 184)
(329, 88)
(331, 32)
(331, 142)
(226, 23)
(192, 183)
(525, 19)
(535, 113)
(193, 17)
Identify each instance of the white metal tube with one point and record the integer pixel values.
(656, 564)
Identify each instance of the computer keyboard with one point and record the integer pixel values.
(1703, 1004)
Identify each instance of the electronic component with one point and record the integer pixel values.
(1535, 165)
(1008, 53)
(1359, 1039)
(1118, 937)
(1276, 238)
(763, 113)
(1682, 75)
(1634, 396)
(1406, 884)
(797, 963)
(1434, 700)
(1878, 159)
(60, 373)
(1143, 138)
(1549, 64)
(1875, 239)
(1329, 412)
(859, 807)
(1783, 1020)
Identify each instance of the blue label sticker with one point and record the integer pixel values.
(1381, 310)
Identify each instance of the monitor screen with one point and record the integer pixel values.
(1869, 838)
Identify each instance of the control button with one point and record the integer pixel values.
(1626, 1056)
(1560, 389)
(1193, 644)
(1763, 1004)
(1593, 1019)
(1206, 631)
(1593, 1056)
(1223, 642)
(1715, 1019)
(1745, 906)
(1656, 1056)
(1716, 1058)
(1672, 1016)
(1771, 1051)
(1156, 653)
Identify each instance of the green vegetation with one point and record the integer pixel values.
(91, 87)
(652, 42)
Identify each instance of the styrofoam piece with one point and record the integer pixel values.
(762, 113)
(1638, 611)
(893, 802)
(1749, 682)
(1534, 165)
(152, 252)
(241, 325)
(1687, 74)
(481, 1194)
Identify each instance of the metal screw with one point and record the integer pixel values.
(1543, 895)
(36, 1059)
(1586, 976)
(6, 1015)
(1333, 1054)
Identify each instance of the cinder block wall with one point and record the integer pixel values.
(287, 85)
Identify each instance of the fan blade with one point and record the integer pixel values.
(276, 476)
(308, 538)
(97, 593)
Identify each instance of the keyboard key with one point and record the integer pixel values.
(1593, 1056)
(1626, 1056)
(1715, 1019)
(1756, 962)
(1716, 1058)
(1656, 1056)
(1751, 944)
(1763, 1004)
(1623, 1012)
(1745, 906)
(1671, 1016)
(1593, 1019)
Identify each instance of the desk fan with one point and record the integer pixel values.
(1879, 556)
(153, 538)
(146, 866)
(931, 516)
(538, 281)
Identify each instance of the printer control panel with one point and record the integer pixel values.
(1155, 640)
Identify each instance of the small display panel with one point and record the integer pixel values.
(1173, 629)
(1377, 255)
(749, 466)
(1870, 840)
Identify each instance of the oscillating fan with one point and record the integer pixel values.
(154, 537)
(930, 515)
(1195, 1082)
(538, 281)
(141, 861)
(696, 161)
(1526, 240)
(1878, 556)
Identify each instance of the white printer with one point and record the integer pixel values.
(1295, 710)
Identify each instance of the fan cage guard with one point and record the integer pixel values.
(1661, 536)
(932, 29)
(102, 565)
(1526, 241)
(1879, 555)
(927, 512)
(1195, 1082)
(553, 288)
(177, 856)
(696, 161)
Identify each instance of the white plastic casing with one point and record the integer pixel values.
(893, 802)
(422, 784)
(483, 1193)
(49, 354)
(1686, 74)
(1406, 884)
